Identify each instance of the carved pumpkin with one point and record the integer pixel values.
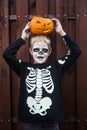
(39, 25)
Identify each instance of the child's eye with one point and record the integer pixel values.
(45, 50)
(36, 49)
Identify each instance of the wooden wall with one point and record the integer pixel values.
(14, 14)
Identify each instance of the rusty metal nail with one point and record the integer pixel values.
(1, 120)
(78, 15)
(65, 15)
(45, 15)
(18, 16)
(66, 120)
(58, 15)
(85, 15)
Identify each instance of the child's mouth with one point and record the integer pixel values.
(40, 57)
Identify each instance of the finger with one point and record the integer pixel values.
(28, 34)
(54, 19)
(26, 27)
(28, 24)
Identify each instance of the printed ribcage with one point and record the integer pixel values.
(39, 79)
(47, 81)
(31, 81)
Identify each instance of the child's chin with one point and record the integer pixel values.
(40, 62)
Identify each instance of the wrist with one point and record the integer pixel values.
(23, 38)
(62, 33)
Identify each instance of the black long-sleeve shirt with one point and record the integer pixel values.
(40, 84)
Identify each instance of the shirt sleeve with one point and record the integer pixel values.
(10, 55)
(72, 54)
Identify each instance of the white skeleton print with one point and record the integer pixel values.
(37, 79)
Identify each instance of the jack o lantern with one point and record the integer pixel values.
(39, 25)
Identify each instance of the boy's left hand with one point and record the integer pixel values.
(58, 27)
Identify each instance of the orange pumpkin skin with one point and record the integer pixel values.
(39, 25)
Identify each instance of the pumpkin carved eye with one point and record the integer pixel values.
(36, 25)
(48, 23)
(38, 22)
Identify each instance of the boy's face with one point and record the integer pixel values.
(40, 52)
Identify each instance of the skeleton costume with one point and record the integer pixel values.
(40, 84)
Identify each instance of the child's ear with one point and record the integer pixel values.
(50, 51)
(30, 51)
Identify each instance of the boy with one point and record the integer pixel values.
(40, 103)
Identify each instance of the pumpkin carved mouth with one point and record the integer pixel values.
(43, 31)
(39, 25)
(46, 31)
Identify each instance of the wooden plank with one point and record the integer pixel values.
(51, 14)
(19, 24)
(42, 7)
(71, 7)
(52, 7)
(5, 115)
(72, 71)
(60, 16)
(1, 49)
(32, 7)
(22, 20)
(63, 13)
(12, 7)
(32, 12)
(14, 79)
(82, 64)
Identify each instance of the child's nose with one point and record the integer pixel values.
(41, 52)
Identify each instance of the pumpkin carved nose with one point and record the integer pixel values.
(44, 25)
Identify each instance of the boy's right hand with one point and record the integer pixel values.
(26, 32)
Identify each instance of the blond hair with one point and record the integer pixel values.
(40, 38)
